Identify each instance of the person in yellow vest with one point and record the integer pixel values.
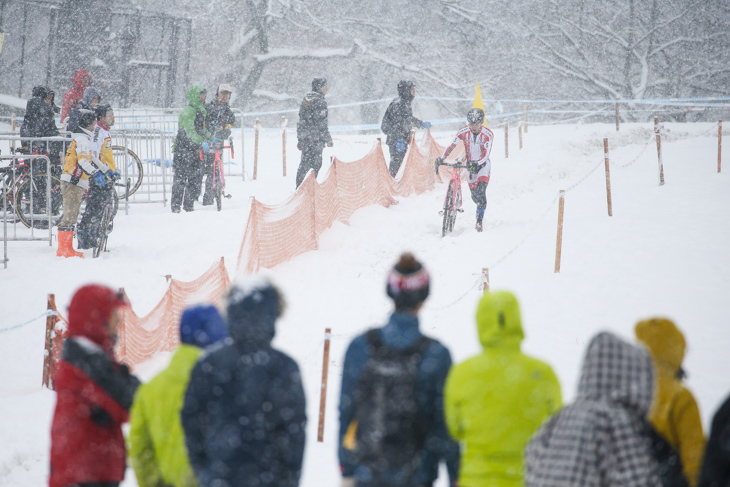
(496, 400)
(156, 440)
(674, 412)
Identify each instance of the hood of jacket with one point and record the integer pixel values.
(89, 311)
(193, 97)
(618, 372)
(404, 90)
(39, 91)
(498, 321)
(312, 97)
(78, 78)
(252, 308)
(89, 94)
(664, 341)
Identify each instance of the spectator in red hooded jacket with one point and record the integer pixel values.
(81, 80)
(94, 394)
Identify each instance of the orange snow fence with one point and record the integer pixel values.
(278, 233)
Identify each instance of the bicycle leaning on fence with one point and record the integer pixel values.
(216, 176)
(130, 166)
(453, 200)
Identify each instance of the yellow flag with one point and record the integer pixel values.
(478, 103)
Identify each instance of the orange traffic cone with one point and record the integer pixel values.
(65, 244)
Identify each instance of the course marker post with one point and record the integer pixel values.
(323, 392)
(485, 280)
(256, 128)
(719, 145)
(608, 175)
(525, 118)
(506, 140)
(283, 143)
(519, 134)
(617, 116)
(559, 244)
(47, 357)
(657, 131)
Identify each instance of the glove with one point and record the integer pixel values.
(99, 179)
(115, 175)
(472, 166)
(329, 143)
(400, 145)
(205, 145)
(425, 125)
(437, 163)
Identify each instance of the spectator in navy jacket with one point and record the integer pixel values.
(244, 409)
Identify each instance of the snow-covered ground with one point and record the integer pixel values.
(663, 252)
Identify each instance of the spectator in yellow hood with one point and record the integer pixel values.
(496, 400)
(674, 412)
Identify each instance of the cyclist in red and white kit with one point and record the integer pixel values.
(477, 141)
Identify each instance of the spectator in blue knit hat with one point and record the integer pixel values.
(156, 439)
(244, 411)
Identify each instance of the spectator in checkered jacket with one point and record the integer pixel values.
(600, 439)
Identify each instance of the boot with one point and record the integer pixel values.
(65, 243)
(480, 215)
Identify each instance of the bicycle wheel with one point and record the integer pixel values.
(105, 226)
(218, 186)
(30, 201)
(449, 211)
(124, 157)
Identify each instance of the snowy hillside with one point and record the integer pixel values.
(663, 252)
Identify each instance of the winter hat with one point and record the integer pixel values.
(252, 307)
(664, 341)
(318, 84)
(498, 319)
(404, 89)
(408, 282)
(89, 94)
(202, 326)
(101, 110)
(86, 118)
(224, 87)
(90, 309)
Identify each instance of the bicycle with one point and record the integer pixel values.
(26, 195)
(124, 157)
(453, 200)
(107, 219)
(218, 179)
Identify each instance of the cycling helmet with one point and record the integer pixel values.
(475, 115)
(86, 118)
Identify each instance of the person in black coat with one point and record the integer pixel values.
(244, 410)
(312, 129)
(716, 464)
(219, 120)
(39, 121)
(397, 123)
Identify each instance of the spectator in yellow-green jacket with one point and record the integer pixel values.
(156, 440)
(496, 400)
(674, 412)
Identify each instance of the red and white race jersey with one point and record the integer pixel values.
(477, 148)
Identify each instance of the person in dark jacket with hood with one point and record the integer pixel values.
(219, 120)
(408, 284)
(81, 80)
(91, 98)
(716, 463)
(94, 394)
(313, 129)
(39, 119)
(599, 439)
(192, 136)
(397, 123)
(244, 410)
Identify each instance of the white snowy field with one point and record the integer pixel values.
(663, 252)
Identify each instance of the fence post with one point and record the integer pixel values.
(256, 148)
(323, 392)
(506, 140)
(657, 131)
(559, 244)
(719, 145)
(283, 142)
(50, 322)
(617, 116)
(485, 280)
(519, 134)
(525, 118)
(12, 128)
(608, 176)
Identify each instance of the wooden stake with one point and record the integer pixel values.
(608, 175)
(525, 118)
(13, 121)
(283, 142)
(519, 134)
(323, 392)
(485, 280)
(559, 244)
(659, 150)
(617, 117)
(256, 128)
(50, 323)
(719, 145)
(506, 140)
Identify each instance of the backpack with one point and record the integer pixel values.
(669, 463)
(390, 431)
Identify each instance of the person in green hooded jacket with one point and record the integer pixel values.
(496, 400)
(192, 136)
(156, 439)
